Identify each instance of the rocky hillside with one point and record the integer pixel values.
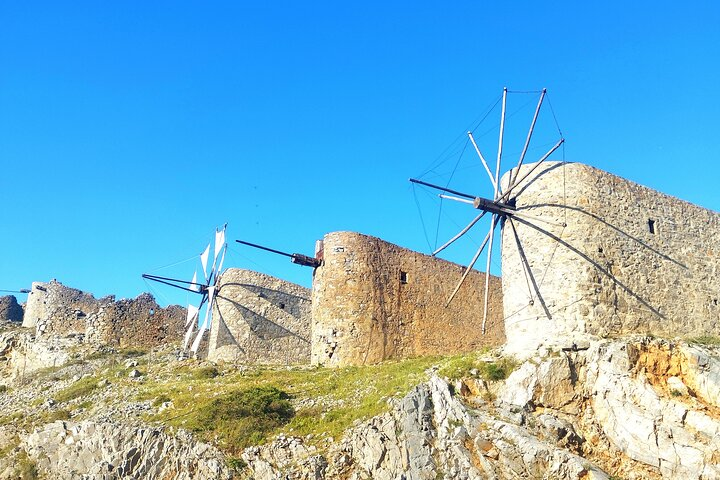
(631, 408)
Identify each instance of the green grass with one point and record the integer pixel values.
(82, 387)
(328, 400)
(240, 418)
(462, 366)
(707, 340)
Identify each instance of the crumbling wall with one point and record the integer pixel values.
(602, 255)
(136, 322)
(260, 319)
(10, 309)
(373, 301)
(53, 308)
(57, 310)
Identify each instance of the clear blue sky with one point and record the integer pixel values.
(129, 130)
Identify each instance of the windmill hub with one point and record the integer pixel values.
(491, 206)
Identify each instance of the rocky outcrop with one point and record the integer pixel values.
(10, 309)
(636, 409)
(108, 451)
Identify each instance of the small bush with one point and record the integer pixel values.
(242, 418)
(205, 373)
(25, 467)
(56, 415)
(235, 463)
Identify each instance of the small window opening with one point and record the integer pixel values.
(600, 250)
(651, 226)
(282, 306)
(403, 277)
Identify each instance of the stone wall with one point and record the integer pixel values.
(10, 309)
(260, 319)
(373, 301)
(605, 256)
(54, 309)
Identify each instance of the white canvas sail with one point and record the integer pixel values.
(194, 286)
(204, 259)
(192, 314)
(219, 241)
(188, 334)
(206, 321)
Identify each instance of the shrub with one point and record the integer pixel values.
(241, 418)
(204, 373)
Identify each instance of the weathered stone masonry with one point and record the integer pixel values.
(373, 301)
(53, 308)
(260, 319)
(630, 259)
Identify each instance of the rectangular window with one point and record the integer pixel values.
(651, 226)
(403, 277)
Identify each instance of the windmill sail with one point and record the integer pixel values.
(194, 285)
(206, 288)
(192, 314)
(204, 260)
(206, 322)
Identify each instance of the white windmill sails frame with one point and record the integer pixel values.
(501, 206)
(207, 288)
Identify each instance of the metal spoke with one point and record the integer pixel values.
(487, 272)
(514, 173)
(457, 199)
(469, 268)
(462, 232)
(500, 143)
(484, 162)
(507, 192)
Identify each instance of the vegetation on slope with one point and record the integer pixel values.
(230, 406)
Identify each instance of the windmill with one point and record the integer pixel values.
(207, 288)
(501, 206)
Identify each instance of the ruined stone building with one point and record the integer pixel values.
(374, 301)
(371, 301)
(606, 256)
(588, 254)
(260, 319)
(54, 309)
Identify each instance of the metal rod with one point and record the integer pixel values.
(265, 248)
(467, 270)
(456, 199)
(487, 273)
(514, 174)
(510, 189)
(500, 142)
(462, 232)
(22, 290)
(482, 159)
(444, 189)
(202, 291)
(537, 219)
(157, 277)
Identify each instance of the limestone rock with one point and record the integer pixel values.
(107, 450)
(10, 309)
